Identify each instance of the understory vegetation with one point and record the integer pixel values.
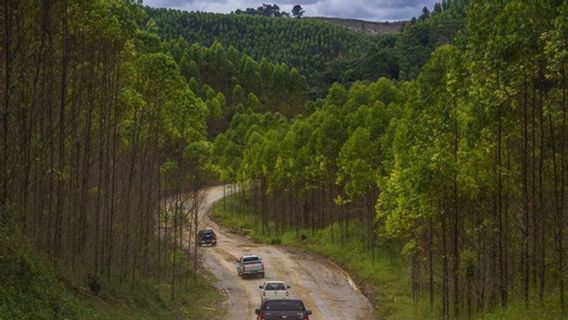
(33, 289)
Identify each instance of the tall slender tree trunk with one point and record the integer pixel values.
(561, 218)
(431, 262)
(126, 235)
(542, 209)
(6, 113)
(445, 267)
(501, 244)
(456, 218)
(195, 226)
(526, 202)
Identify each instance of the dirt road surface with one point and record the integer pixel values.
(325, 289)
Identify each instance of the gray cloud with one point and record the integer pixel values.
(376, 10)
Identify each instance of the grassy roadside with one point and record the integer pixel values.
(386, 279)
(31, 289)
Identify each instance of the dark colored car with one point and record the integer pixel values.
(207, 237)
(289, 309)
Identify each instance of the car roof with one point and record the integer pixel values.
(250, 256)
(283, 300)
(274, 281)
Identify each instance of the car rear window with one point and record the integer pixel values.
(251, 260)
(274, 286)
(284, 305)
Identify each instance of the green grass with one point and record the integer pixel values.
(31, 289)
(386, 279)
(548, 309)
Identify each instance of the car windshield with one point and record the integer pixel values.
(284, 305)
(249, 260)
(206, 232)
(275, 286)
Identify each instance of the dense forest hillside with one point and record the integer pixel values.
(304, 44)
(321, 51)
(371, 27)
(401, 55)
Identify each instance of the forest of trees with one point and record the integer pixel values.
(105, 134)
(230, 82)
(401, 55)
(272, 10)
(304, 44)
(322, 52)
(99, 127)
(450, 151)
(464, 169)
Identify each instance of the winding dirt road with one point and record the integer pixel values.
(325, 289)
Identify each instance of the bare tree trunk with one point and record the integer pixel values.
(456, 218)
(126, 235)
(195, 226)
(445, 276)
(561, 217)
(6, 113)
(542, 209)
(175, 224)
(526, 201)
(431, 262)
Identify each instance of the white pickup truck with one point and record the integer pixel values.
(250, 265)
(273, 290)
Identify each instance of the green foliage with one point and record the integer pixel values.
(31, 289)
(462, 171)
(344, 128)
(267, 10)
(322, 52)
(465, 165)
(231, 82)
(399, 56)
(304, 44)
(356, 160)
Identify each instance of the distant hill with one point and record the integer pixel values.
(324, 50)
(307, 44)
(371, 27)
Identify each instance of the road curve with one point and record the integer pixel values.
(324, 287)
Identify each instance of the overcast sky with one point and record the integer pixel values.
(375, 10)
